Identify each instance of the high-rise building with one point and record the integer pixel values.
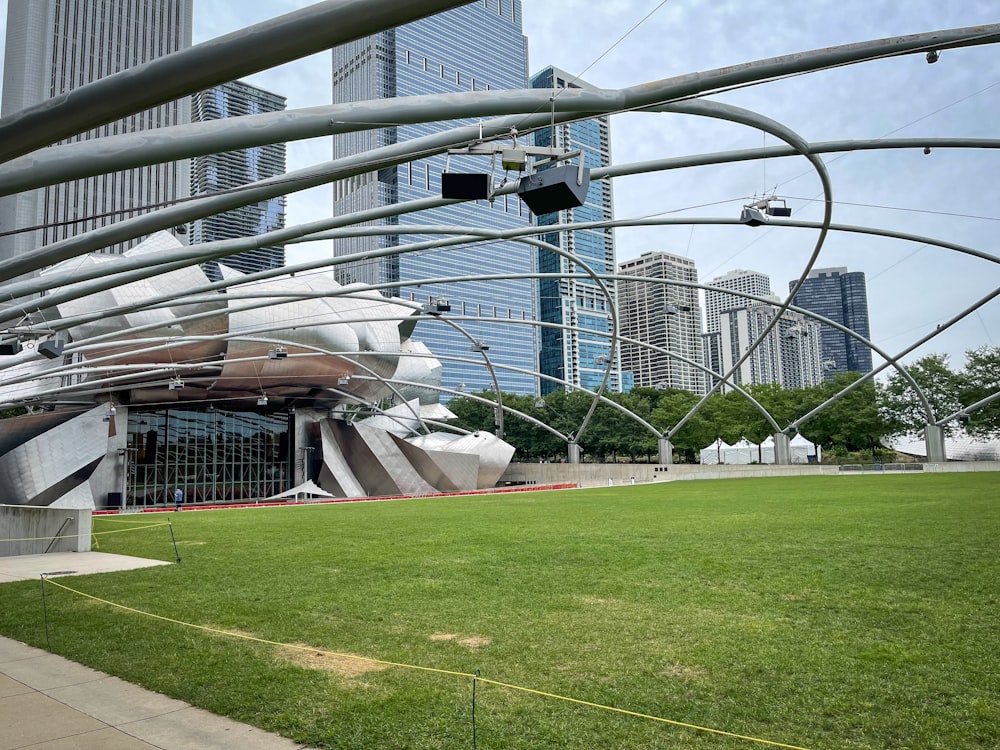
(577, 350)
(841, 296)
(212, 173)
(716, 302)
(478, 46)
(789, 355)
(747, 282)
(53, 46)
(664, 315)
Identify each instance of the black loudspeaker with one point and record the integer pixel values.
(465, 186)
(11, 346)
(554, 189)
(51, 349)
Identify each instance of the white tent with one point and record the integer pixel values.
(804, 451)
(308, 487)
(744, 452)
(765, 451)
(715, 453)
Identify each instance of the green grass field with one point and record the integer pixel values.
(827, 612)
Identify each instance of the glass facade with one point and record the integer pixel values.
(212, 173)
(577, 353)
(212, 455)
(841, 296)
(443, 54)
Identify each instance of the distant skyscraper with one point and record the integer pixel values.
(54, 46)
(748, 282)
(475, 47)
(664, 315)
(789, 355)
(578, 353)
(212, 173)
(841, 296)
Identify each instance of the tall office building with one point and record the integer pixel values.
(841, 296)
(748, 282)
(665, 315)
(212, 173)
(577, 351)
(476, 47)
(788, 356)
(739, 280)
(54, 46)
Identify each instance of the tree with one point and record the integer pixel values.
(853, 421)
(980, 379)
(902, 410)
(699, 431)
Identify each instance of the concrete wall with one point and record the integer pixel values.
(28, 529)
(601, 475)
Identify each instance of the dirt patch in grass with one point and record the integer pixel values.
(471, 642)
(684, 672)
(344, 665)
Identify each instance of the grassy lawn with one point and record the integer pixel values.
(828, 612)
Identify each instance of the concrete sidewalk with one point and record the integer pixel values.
(50, 703)
(54, 564)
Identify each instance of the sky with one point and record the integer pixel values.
(949, 194)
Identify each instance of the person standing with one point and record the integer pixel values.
(178, 499)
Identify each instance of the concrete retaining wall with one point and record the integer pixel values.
(29, 530)
(601, 475)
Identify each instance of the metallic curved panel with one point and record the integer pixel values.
(390, 458)
(336, 476)
(494, 454)
(48, 466)
(447, 471)
(163, 321)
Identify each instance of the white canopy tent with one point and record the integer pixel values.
(715, 453)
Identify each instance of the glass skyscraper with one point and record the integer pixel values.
(578, 353)
(212, 173)
(477, 47)
(54, 46)
(841, 296)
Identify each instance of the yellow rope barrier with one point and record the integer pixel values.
(92, 533)
(475, 677)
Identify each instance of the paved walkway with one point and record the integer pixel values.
(50, 703)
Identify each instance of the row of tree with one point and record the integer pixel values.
(857, 421)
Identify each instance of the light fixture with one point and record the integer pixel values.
(480, 346)
(554, 189)
(262, 401)
(466, 186)
(759, 212)
(514, 159)
(343, 380)
(51, 349)
(175, 384)
(436, 306)
(933, 56)
(927, 150)
(110, 413)
(671, 309)
(278, 352)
